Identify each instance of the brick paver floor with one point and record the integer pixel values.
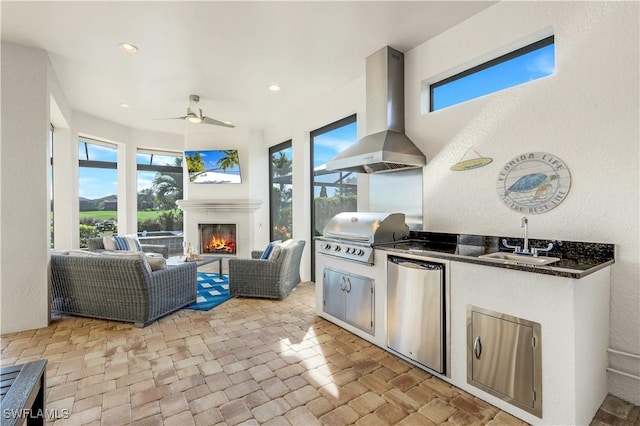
(248, 361)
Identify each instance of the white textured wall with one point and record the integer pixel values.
(24, 218)
(297, 126)
(586, 114)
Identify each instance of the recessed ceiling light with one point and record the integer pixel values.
(124, 105)
(127, 47)
(274, 88)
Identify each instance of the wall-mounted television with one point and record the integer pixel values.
(213, 166)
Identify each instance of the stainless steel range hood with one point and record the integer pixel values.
(385, 148)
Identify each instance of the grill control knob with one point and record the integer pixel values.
(327, 246)
(360, 252)
(337, 248)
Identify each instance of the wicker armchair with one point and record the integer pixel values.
(96, 244)
(121, 289)
(273, 279)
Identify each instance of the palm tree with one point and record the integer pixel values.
(195, 163)
(168, 187)
(281, 164)
(230, 160)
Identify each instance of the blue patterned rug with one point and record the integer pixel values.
(212, 291)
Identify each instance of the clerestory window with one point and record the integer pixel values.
(520, 66)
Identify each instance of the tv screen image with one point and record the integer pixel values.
(213, 166)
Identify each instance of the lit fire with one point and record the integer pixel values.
(217, 244)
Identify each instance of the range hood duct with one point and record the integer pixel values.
(385, 148)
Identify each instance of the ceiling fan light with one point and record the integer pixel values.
(192, 118)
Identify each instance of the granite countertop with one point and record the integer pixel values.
(577, 259)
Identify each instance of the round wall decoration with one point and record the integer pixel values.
(534, 183)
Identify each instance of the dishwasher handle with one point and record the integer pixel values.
(415, 264)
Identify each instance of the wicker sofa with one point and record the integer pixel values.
(269, 278)
(97, 244)
(119, 288)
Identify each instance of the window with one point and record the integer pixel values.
(529, 63)
(281, 194)
(160, 185)
(98, 188)
(51, 223)
(333, 192)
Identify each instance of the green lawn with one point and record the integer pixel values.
(106, 215)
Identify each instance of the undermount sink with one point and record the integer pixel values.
(518, 258)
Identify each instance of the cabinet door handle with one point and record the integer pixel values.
(348, 285)
(477, 347)
(343, 283)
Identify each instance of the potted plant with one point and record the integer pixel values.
(106, 228)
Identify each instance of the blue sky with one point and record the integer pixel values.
(524, 68)
(211, 158)
(328, 145)
(97, 183)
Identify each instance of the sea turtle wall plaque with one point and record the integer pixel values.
(534, 183)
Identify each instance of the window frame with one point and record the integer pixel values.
(107, 165)
(272, 150)
(547, 41)
(157, 169)
(312, 135)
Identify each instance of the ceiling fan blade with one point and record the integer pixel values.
(171, 118)
(208, 120)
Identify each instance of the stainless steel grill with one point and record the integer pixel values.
(351, 235)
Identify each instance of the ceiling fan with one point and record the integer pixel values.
(194, 115)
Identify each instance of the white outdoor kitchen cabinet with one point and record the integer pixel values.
(573, 315)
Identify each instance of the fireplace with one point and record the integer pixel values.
(217, 238)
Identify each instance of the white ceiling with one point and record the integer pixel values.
(226, 52)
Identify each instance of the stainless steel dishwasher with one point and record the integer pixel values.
(416, 310)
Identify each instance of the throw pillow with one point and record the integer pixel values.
(275, 253)
(83, 253)
(277, 250)
(287, 243)
(60, 252)
(109, 243)
(267, 252)
(127, 243)
(121, 254)
(156, 261)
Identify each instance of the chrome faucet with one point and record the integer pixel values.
(525, 225)
(525, 250)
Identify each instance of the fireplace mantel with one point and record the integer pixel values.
(221, 205)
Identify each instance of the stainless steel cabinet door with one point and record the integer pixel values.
(503, 357)
(333, 283)
(359, 302)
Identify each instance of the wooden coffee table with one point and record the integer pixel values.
(206, 259)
